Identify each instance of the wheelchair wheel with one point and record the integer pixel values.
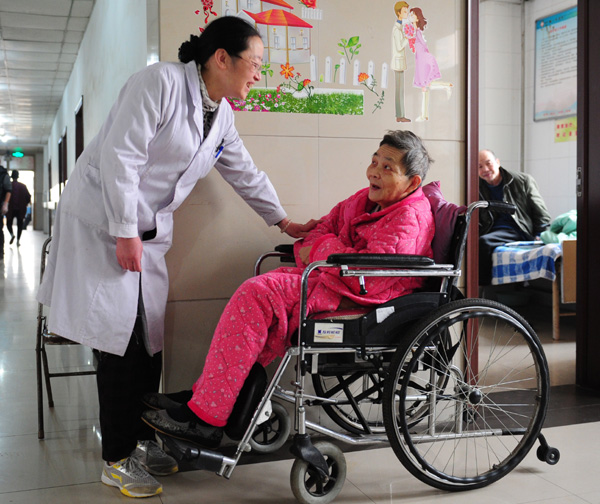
(476, 373)
(271, 435)
(362, 391)
(307, 486)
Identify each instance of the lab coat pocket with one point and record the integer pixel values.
(88, 203)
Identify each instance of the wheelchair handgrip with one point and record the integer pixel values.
(502, 207)
(381, 260)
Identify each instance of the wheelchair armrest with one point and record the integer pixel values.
(502, 207)
(381, 260)
(285, 253)
(285, 248)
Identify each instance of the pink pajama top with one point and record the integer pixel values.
(406, 227)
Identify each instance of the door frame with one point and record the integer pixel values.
(588, 194)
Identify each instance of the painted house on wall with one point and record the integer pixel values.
(234, 7)
(287, 37)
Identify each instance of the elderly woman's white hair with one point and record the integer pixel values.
(416, 159)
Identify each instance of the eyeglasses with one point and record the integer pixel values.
(255, 66)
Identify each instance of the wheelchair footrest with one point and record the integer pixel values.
(194, 456)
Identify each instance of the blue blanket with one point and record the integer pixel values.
(520, 261)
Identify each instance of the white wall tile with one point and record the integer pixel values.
(504, 140)
(502, 70)
(498, 9)
(192, 324)
(314, 161)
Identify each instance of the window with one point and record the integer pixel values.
(49, 196)
(62, 161)
(79, 129)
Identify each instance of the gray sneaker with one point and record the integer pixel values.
(153, 459)
(129, 477)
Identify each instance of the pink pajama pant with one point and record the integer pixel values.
(255, 326)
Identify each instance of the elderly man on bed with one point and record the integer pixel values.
(495, 229)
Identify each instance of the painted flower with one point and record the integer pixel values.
(409, 31)
(287, 71)
(362, 77)
(311, 4)
(306, 82)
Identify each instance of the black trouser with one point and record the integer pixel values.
(121, 383)
(9, 220)
(487, 243)
(1, 235)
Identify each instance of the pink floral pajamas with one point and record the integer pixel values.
(255, 326)
(263, 313)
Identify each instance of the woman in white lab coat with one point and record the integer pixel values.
(106, 278)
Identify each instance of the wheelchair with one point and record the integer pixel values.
(458, 387)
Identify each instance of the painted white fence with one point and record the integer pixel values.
(312, 13)
(340, 75)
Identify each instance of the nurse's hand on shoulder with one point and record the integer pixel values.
(296, 230)
(129, 253)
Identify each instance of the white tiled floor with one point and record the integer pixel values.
(66, 465)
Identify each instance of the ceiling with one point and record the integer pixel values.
(39, 42)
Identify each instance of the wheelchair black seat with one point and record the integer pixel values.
(377, 325)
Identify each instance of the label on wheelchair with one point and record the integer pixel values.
(328, 333)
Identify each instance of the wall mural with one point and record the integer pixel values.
(207, 7)
(295, 79)
(408, 31)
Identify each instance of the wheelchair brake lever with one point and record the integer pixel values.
(363, 288)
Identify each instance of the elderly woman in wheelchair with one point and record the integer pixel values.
(390, 216)
(458, 387)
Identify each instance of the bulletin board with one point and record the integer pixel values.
(556, 66)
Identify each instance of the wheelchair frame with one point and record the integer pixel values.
(427, 385)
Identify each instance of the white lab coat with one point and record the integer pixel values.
(130, 179)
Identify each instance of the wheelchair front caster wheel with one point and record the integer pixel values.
(548, 454)
(308, 487)
(271, 435)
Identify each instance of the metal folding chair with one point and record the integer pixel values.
(42, 338)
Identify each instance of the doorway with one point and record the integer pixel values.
(509, 126)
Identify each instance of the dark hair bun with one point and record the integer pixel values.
(230, 33)
(189, 49)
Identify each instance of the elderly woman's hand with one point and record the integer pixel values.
(296, 230)
(304, 254)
